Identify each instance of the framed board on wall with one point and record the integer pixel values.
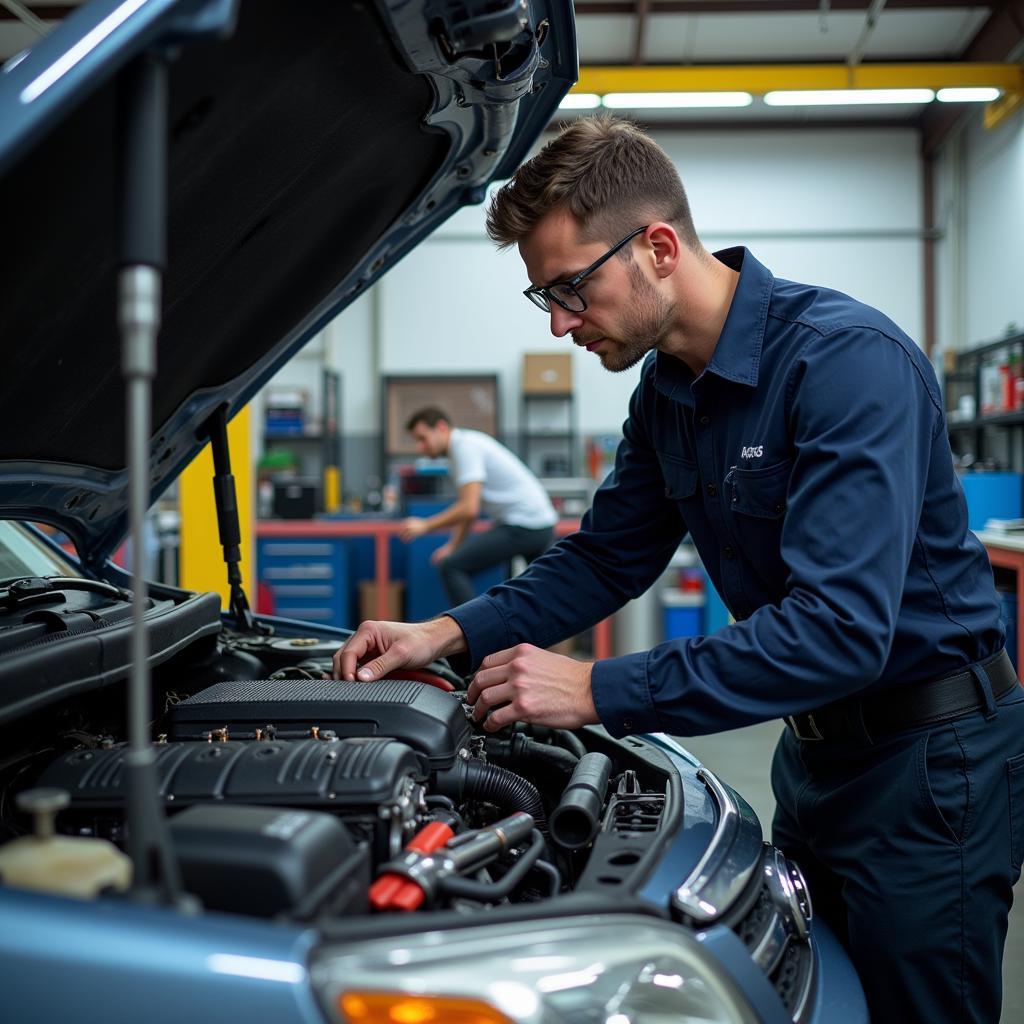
(471, 400)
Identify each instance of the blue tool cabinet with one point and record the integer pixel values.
(309, 578)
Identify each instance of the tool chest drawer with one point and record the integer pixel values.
(307, 578)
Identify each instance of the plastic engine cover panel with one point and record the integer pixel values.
(269, 860)
(428, 719)
(354, 774)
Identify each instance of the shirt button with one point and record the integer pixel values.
(779, 509)
(705, 420)
(729, 552)
(712, 490)
(627, 723)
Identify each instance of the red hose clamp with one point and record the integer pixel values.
(395, 892)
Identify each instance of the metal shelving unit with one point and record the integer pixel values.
(317, 448)
(547, 433)
(985, 434)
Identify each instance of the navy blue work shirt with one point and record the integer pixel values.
(811, 465)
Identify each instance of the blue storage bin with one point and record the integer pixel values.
(992, 496)
(716, 615)
(683, 614)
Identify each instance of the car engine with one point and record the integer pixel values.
(291, 794)
(274, 791)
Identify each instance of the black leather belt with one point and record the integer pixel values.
(909, 707)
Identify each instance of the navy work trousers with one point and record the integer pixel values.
(480, 551)
(911, 846)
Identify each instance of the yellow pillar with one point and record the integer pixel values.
(332, 488)
(202, 558)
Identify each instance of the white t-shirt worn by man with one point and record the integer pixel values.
(509, 492)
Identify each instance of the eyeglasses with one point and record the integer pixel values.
(564, 293)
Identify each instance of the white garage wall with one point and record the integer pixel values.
(835, 207)
(980, 202)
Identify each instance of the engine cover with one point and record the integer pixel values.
(270, 860)
(355, 775)
(420, 715)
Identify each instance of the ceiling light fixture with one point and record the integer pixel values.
(845, 97)
(964, 94)
(670, 100)
(580, 101)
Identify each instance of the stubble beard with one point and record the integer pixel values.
(644, 327)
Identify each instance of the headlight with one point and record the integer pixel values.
(584, 970)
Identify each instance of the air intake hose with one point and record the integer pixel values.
(474, 780)
(521, 751)
(575, 820)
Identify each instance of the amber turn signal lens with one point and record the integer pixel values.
(402, 1008)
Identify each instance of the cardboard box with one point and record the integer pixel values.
(368, 600)
(547, 373)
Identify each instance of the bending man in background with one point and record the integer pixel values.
(489, 479)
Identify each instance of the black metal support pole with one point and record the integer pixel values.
(142, 139)
(142, 196)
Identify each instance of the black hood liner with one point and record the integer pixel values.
(275, 195)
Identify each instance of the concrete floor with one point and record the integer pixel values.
(743, 758)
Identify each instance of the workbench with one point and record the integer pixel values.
(1006, 551)
(382, 531)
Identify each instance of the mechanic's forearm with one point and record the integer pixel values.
(448, 636)
(457, 514)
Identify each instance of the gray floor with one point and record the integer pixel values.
(743, 757)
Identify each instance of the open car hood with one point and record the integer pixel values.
(311, 146)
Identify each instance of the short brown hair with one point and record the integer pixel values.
(429, 414)
(609, 174)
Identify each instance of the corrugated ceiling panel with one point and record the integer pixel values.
(910, 34)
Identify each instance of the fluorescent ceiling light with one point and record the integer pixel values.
(59, 68)
(846, 97)
(639, 100)
(964, 94)
(580, 101)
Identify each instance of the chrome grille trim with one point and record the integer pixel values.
(728, 863)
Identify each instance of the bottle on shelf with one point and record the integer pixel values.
(991, 387)
(1008, 394)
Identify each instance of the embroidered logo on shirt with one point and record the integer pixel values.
(754, 451)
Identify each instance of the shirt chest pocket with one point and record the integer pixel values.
(680, 477)
(756, 508)
(760, 493)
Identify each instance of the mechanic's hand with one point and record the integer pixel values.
(378, 648)
(412, 528)
(438, 555)
(533, 685)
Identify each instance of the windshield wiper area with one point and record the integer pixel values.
(34, 609)
(17, 593)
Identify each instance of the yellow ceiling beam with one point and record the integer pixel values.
(999, 110)
(761, 78)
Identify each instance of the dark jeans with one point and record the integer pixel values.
(480, 551)
(910, 847)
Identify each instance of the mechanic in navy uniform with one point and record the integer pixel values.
(799, 436)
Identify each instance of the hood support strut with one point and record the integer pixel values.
(142, 166)
(228, 526)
